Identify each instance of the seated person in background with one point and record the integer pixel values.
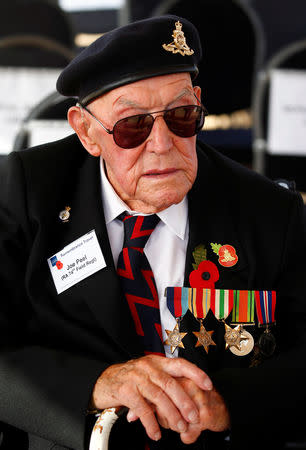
(96, 226)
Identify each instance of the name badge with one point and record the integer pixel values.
(76, 261)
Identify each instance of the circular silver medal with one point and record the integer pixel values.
(246, 345)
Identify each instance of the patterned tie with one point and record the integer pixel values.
(137, 281)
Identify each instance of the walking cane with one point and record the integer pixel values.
(103, 426)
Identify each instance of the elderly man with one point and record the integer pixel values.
(95, 227)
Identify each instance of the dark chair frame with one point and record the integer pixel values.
(36, 41)
(40, 112)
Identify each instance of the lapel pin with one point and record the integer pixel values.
(205, 273)
(65, 214)
(227, 254)
(199, 254)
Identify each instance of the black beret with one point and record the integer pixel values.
(147, 48)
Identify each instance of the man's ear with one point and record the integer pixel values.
(81, 126)
(197, 91)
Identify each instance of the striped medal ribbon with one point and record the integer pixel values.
(243, 307)
(222, 301)
(265, 302)
(178, 301)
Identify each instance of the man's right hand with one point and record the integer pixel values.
(148, 386)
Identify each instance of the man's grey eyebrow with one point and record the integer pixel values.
(127, 102)
(182, 94)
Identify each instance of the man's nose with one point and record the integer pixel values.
(160, 139)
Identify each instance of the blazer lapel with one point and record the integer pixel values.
(211, 220)
(101, 290)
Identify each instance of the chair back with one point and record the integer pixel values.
(43, 18)
(46, 122)
(29, 67)
(279, 112)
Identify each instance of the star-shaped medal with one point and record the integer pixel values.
(234, 336)
(175, 338)
(204, 338)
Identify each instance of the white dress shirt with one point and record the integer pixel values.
(165, 249)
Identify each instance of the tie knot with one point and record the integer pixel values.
(138, 229)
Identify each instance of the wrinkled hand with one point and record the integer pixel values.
(214, 414)
(155, 387)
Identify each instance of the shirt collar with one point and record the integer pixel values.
(175, 217)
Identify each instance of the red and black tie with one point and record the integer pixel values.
(137, 281)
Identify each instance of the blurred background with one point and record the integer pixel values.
(253, 73)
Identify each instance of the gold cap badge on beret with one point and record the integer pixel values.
(178, 45)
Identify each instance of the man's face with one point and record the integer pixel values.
(159, 172)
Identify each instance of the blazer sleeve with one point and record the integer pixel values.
(43, 390)
(265, 401)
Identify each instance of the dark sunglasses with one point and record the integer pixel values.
(184, 121)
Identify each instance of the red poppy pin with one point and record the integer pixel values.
(227, 254)
(205, 273)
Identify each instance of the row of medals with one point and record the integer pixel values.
(239, 341)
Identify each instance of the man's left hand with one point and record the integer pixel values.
(214, 414)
